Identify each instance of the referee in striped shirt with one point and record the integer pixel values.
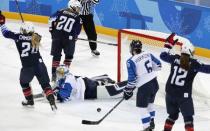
(86, 15)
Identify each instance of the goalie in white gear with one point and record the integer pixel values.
(70, 87)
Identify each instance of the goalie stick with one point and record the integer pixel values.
(105, 43)
(88, 122)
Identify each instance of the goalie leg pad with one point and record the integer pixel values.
(116, 88)
(103, 79)
(111, 91)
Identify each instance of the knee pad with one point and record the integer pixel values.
(174, 116)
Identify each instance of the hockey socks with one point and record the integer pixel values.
(29, 97)
(145, 118)
(168, 124)
(189, 126)
(151, 111)
(50, 97)
(67, 62)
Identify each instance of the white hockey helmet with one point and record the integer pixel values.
(75, 5)
(27, 27)
(187, 48)
(62, 71)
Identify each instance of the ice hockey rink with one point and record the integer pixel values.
(126, 117)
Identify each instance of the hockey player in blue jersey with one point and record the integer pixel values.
(65, 26)
(179, 84)
(27, 43)
(71, 87)
(142, 67)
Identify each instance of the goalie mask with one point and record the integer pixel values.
(135, 46)
(187, 48)
(61, 72)
(26, 28)
(74, 6)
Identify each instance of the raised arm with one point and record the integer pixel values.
(165, 54)
(204, 68)
(6, 32)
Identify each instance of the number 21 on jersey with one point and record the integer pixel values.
(26, 48)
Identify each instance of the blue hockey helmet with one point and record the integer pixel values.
(136, 46)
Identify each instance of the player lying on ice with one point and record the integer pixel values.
(70, 87)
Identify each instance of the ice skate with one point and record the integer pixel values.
(95, 53)
(28, 103)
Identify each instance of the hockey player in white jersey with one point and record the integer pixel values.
(142, 67)
(71, 87)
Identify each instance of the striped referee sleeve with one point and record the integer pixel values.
(87, 6)
(95, 1)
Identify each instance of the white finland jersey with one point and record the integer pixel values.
(142, 65)
(78, 87)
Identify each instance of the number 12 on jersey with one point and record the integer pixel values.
(179, 76)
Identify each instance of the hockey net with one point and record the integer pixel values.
(153, 42)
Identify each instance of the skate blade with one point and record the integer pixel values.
(54, 108)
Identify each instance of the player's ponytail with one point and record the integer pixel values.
(185, 61)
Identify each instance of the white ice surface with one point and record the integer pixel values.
(14, 117)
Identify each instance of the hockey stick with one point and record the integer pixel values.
(17, 5)
(40, 95)
(101, 42)
(88, 122)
